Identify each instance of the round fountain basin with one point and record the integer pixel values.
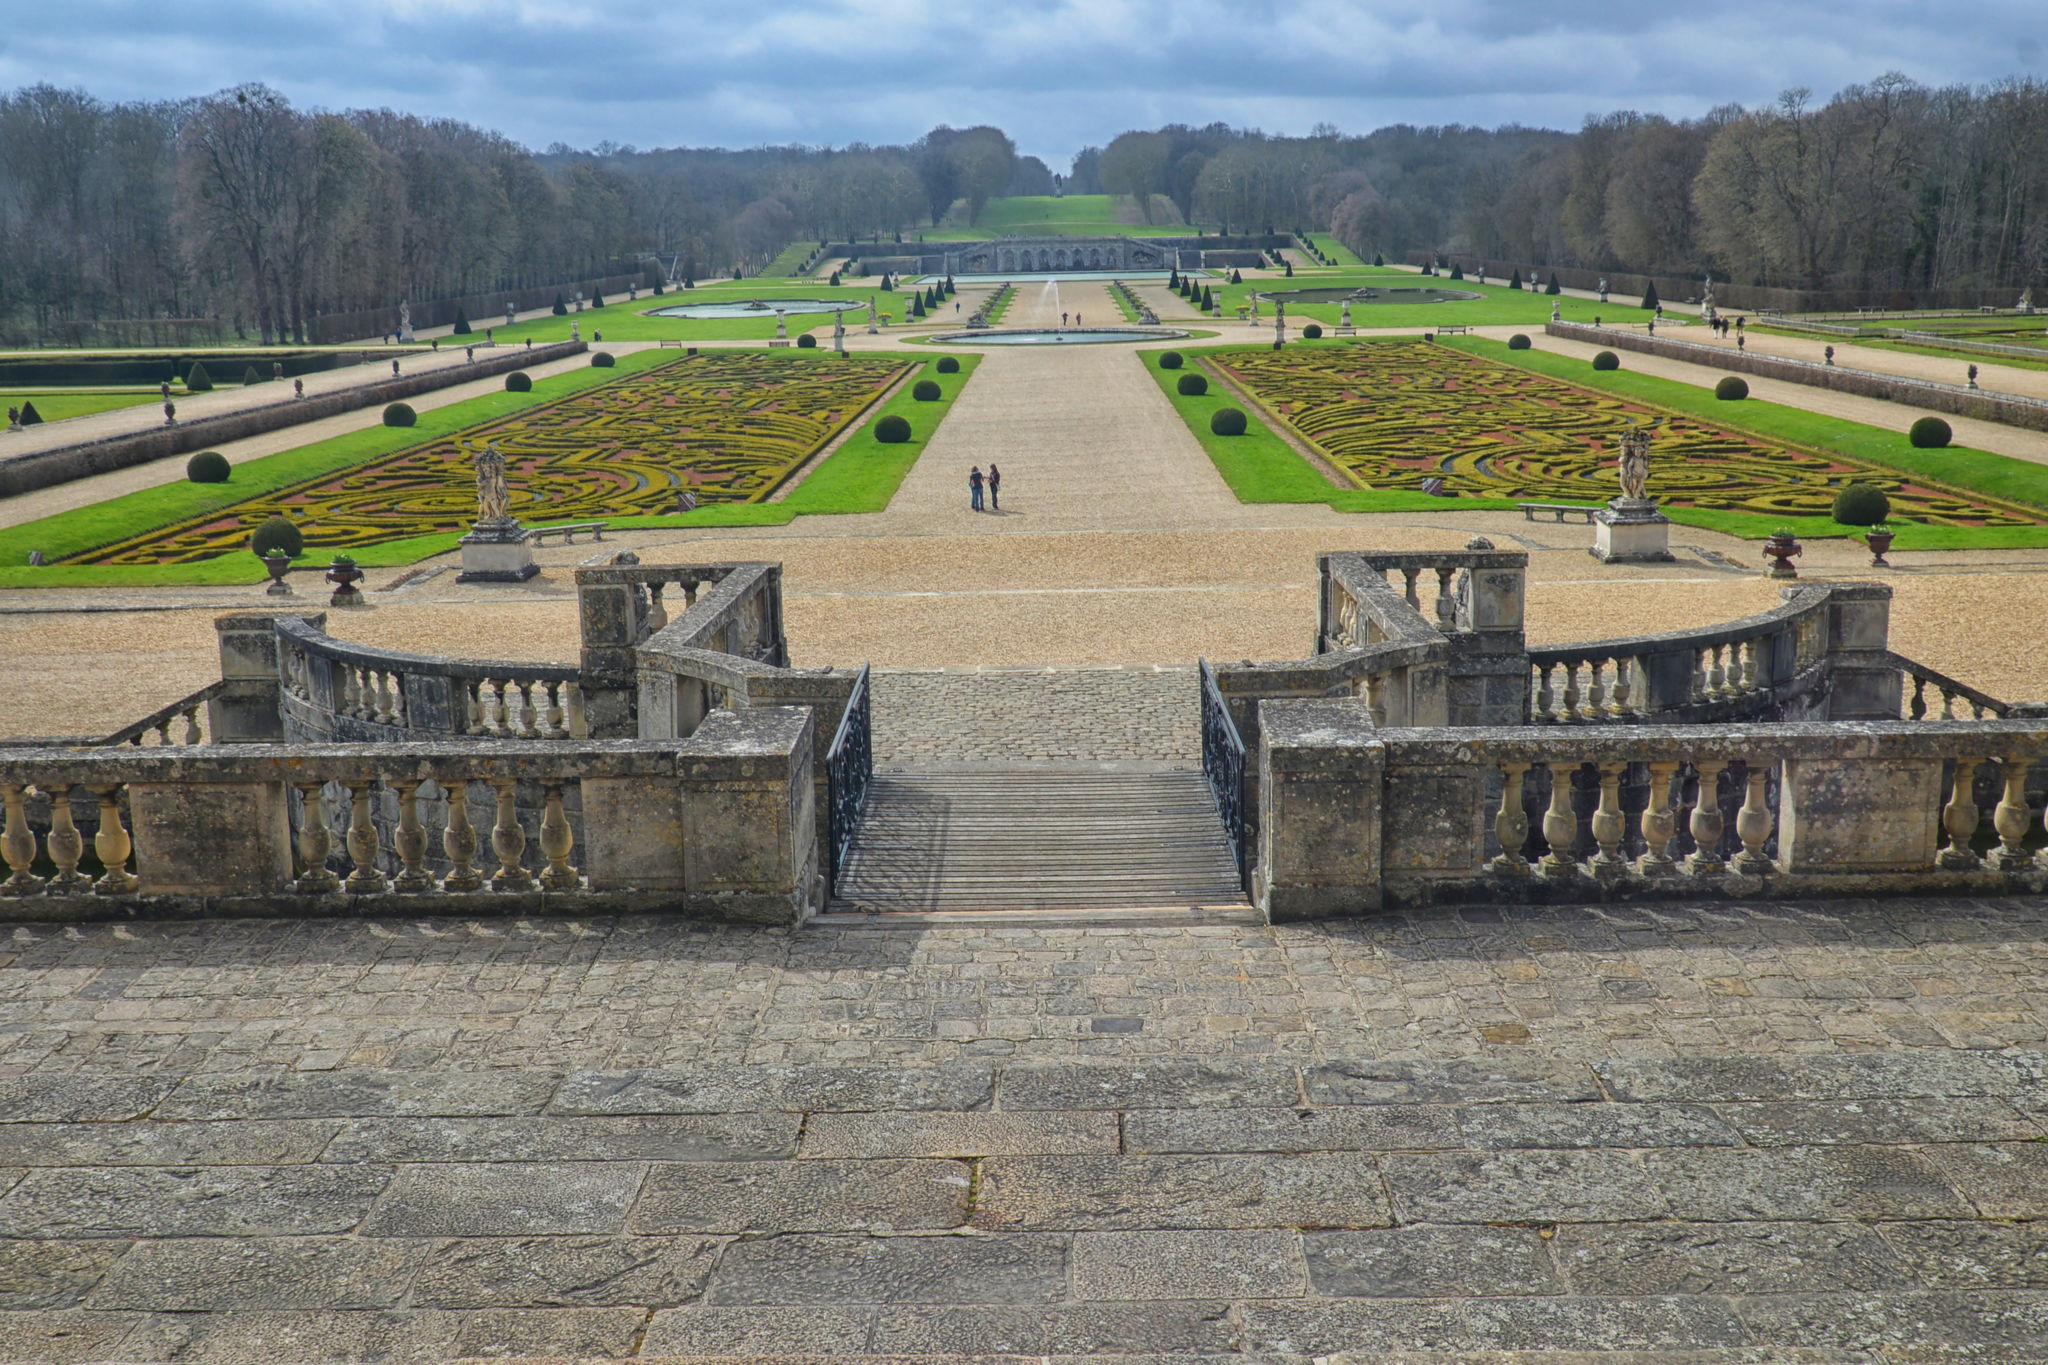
(1055, 336)
(755, 308)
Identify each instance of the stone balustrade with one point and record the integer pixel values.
(185, 721)
(1923, 690)
(1355, 819)
(719, 824)
(331, 689)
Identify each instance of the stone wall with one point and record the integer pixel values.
(42, 469)
(2010, 409)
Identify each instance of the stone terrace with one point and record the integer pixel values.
(1743, 1133)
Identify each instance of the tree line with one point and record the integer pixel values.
(239, 207)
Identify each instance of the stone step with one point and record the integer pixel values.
(1040, 839)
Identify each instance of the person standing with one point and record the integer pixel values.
(995, 477)
(974, 490)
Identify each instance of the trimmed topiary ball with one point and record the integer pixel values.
(807, 342)
(1191, 385)
(1519, 342)
(892, 430)
(1860, 504)
(1929, 433)
(925, 391)
(947, 365)
(277, 536)
(1607, 360)
(1169, 360)
(1313, 330)
(1732, 388)
(197, 380)
(208, 466)
(519, 381)
(400, 415)
(1226, 421)
(603, 360)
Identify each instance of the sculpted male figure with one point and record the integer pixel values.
(493, 498)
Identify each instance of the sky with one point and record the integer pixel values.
(1057, 75)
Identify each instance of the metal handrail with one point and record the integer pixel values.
(1223, 755)
(849, 771)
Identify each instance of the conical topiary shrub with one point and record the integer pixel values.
(1650, 299)
(1515, 280)
(249, 376)
(1552, 287)
(197, 380)
(461, 327)
(29, 416)
(561, 309)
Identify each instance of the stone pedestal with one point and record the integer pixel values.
(1631, 533)
(500, 552)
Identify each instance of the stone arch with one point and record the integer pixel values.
(1060, 259)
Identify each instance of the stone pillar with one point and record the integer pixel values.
(611, 615)
(248, 709)
(497, 552)
(1867, 685)
(1321, 769)
(201, 837)
(750, 827)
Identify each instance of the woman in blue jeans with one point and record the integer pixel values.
(974, 489)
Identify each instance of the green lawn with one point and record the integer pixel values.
(1500, 306)
(789, 262)
(54, 405)
(1957, 467)
(1045, 215)
(861, 476)
(1260, 466)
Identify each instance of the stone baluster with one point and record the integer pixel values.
(1511, 824)
(657, 613)
(1545, 699)
(1948, 703)
(1410, 576)
(552, 720)
(1752, 663)
(18, 845)
(410, 842)
(163, 732)
(508, 841)
(1624, 687)
(576, 721)
(458, 841)
(1959, 817)
(529, 714)
(66, 846)
(2012, 819)
(1705, 859)
(111, 845)
(1560, 826)
(1609, 828)
(1446, 601)
(380, 696)
(557, 841)
(1916, 709)
(314, 843)
(1717, 673)
(193, 734)
(1596, 688)
(472, 707)
(1571, 689)
(398, 699)
(367, 878)
(1660, 820)
(690, 586)
(1753, 823)
(1699, 691)
(345, 681)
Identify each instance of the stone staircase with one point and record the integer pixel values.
(1044, 838)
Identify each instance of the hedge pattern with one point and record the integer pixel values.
(1392, 413)
(729, 425)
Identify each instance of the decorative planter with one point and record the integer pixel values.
(277, 566)
(1880, 543)
(1781, 551)
(345, 577)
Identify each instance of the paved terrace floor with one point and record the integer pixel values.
(1698, 1135)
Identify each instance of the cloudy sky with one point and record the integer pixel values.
(1056, 74)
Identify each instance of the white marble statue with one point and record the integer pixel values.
(493, 497)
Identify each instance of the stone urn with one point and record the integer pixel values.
(1781, 549)
(277, 566)
(1879, 539)
(344, 575)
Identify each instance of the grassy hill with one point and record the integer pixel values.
(1075, 215)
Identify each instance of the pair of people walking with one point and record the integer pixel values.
(992, 482)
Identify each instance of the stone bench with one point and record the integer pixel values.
(568, 531)
(669, 341)
(1449, 331)
(778, 343)
(1346, 332)
(1558, 511)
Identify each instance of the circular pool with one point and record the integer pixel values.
(755, 308)
(1370, 295)
(1071, 336)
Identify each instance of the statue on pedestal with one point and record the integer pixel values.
(871, 318)
(1707, 300)
(1635, 465)
(493, 496)
(839, 333)
(404, 320)
(1345, 320)
(2026, 304)
(781, 325)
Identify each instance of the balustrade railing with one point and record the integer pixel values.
(849, 769)
(1926, 691)
(333, 689)
(184, 721)
(1223, 765)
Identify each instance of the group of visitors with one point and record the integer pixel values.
(992, 481)
(1721, 326)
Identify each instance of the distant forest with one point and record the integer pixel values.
(241, 207)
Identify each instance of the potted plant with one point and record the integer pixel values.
(277, 563)
(344, 574)
(1781, 549)
(1879, 539)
